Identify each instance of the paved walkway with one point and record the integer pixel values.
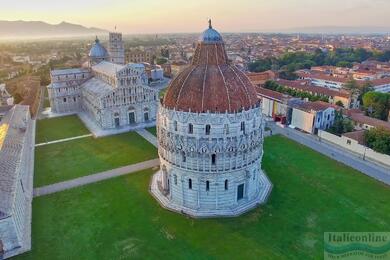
(371, 169)
(61, 186)
(148, 136)
(64, 140)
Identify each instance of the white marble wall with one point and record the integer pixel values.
(234, 140)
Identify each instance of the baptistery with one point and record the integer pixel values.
(210, 138)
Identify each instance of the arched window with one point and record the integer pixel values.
(183, 157)
(190, 184)
(207, 185)
(213, 159)
(175, 179)
(175, 125)
(208, 129)
(226, 184)
(243, 126)
(190, 129)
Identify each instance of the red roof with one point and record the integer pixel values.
(270, 94)
(261, 77)
(363, 119)
(210, 83)
(356, 135)
(315, 106)
(305, 85)
(316, 75)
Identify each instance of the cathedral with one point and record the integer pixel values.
(109, 92)
(210, 138)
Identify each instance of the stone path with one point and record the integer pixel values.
(64, 140)
(148, 136)
(61, 186)
(368, 168)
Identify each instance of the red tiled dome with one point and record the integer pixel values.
(210, 83)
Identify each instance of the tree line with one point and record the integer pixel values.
(289, 62)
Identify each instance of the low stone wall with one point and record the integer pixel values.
(355, 147)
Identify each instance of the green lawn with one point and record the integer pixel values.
(152, 130)
(72, 159)
(118, 218)
(59, 128)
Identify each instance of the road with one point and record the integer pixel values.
(61, 186)
(371, 169)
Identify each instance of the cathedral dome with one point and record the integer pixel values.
(210, 83)
(98, 50)
(210, 35)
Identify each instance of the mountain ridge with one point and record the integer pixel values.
(36, 29)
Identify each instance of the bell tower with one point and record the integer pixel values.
(116, 48)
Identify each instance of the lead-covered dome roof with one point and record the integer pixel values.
(210, 35)
(98, 50)
(210, 83)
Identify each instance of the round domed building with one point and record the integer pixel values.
(98, 53)
(210, 138)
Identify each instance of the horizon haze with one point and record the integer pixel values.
(174, 16)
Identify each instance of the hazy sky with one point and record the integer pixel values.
(152, 16)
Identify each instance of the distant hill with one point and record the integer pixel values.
(340, 30)
(38, 29)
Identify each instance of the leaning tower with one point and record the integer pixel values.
(116, 48)
(210, 138)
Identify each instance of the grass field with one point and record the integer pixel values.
(118, 218)
(72, 159)
(59, 128)
(152, 130)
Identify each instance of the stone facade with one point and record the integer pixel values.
(211, 163)
(112, 95)
(16, 180)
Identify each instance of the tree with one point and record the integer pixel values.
(366, 87)
(378, 139)
(351, 85)
(376, 104)
(339, 103)
(341, 125)
(161, 60)
(260, 65)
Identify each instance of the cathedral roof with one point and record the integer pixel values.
(98, 50)
(13, 137)
(107, 68)
(210, 83)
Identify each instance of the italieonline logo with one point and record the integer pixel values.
(357, 245)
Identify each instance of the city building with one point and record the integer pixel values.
(17, 132)
(139, 56)
(312, 116)
(111, 95)
(347, 99)
(259, 79)
(276, 105)
(210, 138)
(323, 80)
(381, 85)
(363, 122)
